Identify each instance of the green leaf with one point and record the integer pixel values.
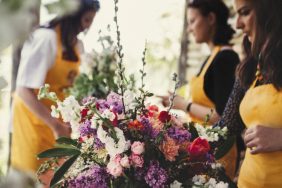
(225, 147)
(193, 131)
(62, 170)
(58, 152)
(65, 140)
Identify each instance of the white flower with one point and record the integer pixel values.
(96, 122)
(176, 184)
(55, 113)
(199, 179)
(108, 115)
(70, 111)
(113, 148)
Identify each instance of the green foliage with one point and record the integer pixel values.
(225, 147)
(58, 152)
(98, 75)
(62, 170)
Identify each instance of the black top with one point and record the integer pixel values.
(220, 77)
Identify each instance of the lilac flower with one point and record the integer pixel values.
(156, 176)
(148, 128)
(102, 105)
(94, 177)
(98, 144)
(85, 129)
(115, 101)
(179, 134)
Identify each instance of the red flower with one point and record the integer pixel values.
(135, 125)
(152, 110)
(164, 116)
(198, 148)
(83, 114)
(115, 121)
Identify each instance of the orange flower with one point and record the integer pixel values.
(169, 149)
(135, 125)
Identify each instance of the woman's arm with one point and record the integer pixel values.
(231, 117)
(196, 110)
(40, 110)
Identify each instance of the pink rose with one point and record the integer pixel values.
(114, 169)
(117, 159)
(137, 147)
(125, 162)
(137, 160)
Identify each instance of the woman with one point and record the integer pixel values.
(210, 89)
(49, 56)
(256, 90)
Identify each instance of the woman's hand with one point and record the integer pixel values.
(263, 139)
(179, 103)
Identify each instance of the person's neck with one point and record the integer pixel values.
(211, 45)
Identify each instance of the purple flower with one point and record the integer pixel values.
(94, 177)
(98, 144)
(148, 129)
(85, 129)
(156, 176)
(179, 134)
(115, 101)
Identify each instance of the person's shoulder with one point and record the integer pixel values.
(228, 52)
(44, 34)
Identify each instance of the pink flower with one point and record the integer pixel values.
(125, 162)
(137, 160)
(137, 147)
(114, 169)
(117, 159)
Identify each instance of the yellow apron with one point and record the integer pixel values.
(199, 96)
(30, 135)
(262, 170)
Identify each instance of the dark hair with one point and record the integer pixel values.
(267, 47)
(70, 26)
(224, 32)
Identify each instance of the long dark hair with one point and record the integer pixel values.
(224, 31)
(70, 27)
(267, 48)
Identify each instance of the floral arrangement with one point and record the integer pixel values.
(121, 141)
(97, 72)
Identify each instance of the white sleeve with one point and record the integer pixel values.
(80, 47)
(37, 57)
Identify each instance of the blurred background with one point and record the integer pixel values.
(160, 23)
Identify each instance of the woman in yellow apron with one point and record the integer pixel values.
(49, 56)
(210, 89)
(257, 94)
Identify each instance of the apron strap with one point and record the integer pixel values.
(209, 61)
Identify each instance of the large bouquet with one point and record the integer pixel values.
(119, 142)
